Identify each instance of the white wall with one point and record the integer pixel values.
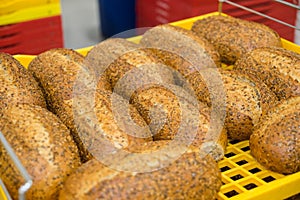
(81, 23)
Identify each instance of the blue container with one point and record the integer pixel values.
(117, 16)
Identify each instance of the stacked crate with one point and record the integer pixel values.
(153, 12)
(31, 26)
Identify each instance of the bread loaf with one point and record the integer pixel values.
(247, 99)
(233, 37)
(44, 146)
(71, 88)
(173, 113)
(109, 123)
(278, 68)
(135, 69)
(115, 58)
(204, 81)
(56, 70)
(17, 84)
(188, 177)
(106, 52)
(183, 43)
(275, 141)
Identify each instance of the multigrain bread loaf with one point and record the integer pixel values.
(200, 79)
(107, 51)
(70, 88)
(171, 113)
(182, 42)
(277, 67)
(184, 52)
(135, 69)
(132, 74)
(44, 146)
(109, 123)
(233, 37)
(118, 58)
(190, 176)
(57, 71)
(17, 84)
(247, 99)
(275, 142)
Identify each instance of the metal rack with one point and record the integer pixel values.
(262, 14)
(28, 181)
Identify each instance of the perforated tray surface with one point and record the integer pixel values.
(244, 178)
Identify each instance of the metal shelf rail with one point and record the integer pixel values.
(28, 181)
(262, 14)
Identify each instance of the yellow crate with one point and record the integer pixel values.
(242, 176)
(246, 179)
(10, 6)
(3, 191)
(30, 13)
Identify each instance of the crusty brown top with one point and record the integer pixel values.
(247, 99)
(106, 52)
(182, 42)
(44, 146)
(75, 97)
(57, 71)
(275, 141)
(109, 122)
(277, 67)
(188, 177)
(17, 84)
(135, 69)
(233, 37)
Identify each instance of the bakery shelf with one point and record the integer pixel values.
(243, 178)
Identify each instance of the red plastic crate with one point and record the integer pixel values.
(32, 37)
(154, 12)
(286, 14)
(32, 48)
(31, 25)
(47, 34)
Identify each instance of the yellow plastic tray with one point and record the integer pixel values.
(30, 13)
(2, 191)
(243, 178)
(9, 6)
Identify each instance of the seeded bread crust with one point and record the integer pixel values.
(275, 141)
(109, 123)
(70, 88)
(170, 113)
(115, 57)
(247, 99)
(182, 42)
(197, 177)
(56, 70)
(233, 37)
(17, 84)
(44, 146)
(277, 67)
